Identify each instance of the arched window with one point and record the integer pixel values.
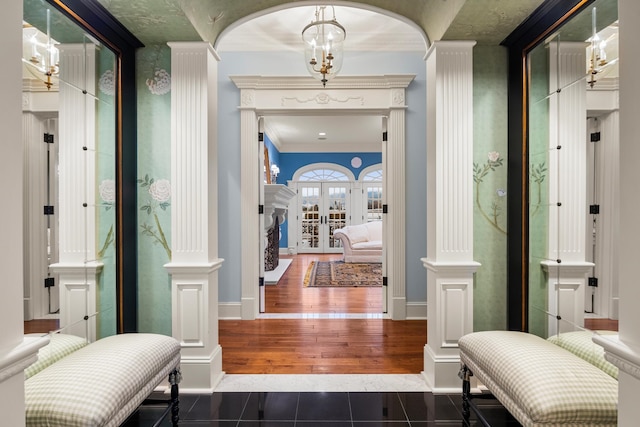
(327, 172)
(323, 175)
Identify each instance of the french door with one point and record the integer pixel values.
(323, 208)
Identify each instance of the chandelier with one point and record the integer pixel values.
(598, 57)
(42, 53)
(323, 45)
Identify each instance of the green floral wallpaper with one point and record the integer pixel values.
(154, 188)
(490, 185)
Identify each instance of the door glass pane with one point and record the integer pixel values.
(337, 213)
(310, 218)
(374, 203)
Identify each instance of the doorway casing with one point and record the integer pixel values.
(369, 95)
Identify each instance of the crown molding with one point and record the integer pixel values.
(339, 82)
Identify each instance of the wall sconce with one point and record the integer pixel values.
(275, 170)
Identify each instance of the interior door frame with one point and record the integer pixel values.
(382, 95)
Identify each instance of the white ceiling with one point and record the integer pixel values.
(366, 31)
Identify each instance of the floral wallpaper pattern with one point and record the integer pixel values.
(157, 196)
(153, 82)
(497, 205)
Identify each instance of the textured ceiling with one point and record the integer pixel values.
(159, 21)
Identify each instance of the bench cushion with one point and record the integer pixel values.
(581, 344)
(60, 345)
(538, 382)
(102, 383)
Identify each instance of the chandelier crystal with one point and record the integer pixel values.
(323, 41)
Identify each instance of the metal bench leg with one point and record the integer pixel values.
(174, 379)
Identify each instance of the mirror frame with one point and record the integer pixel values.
(93, 18)
(547, 18)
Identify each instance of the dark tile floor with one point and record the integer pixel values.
(312, 409)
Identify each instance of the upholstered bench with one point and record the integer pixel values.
(538, 382)
(102, 383)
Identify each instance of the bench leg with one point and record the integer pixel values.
(464, 374)
(174, 379)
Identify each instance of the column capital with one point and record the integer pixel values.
(193, 47)
(450, 46)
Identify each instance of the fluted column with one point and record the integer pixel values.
(76, 212)
(449, 262)
(567, 268)
(194, 236)
(396, 205)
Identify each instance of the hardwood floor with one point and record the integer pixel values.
(327, 346)
(290, 296)
(313, 345)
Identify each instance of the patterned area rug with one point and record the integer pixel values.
(340, 274)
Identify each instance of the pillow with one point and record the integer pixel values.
(59, 346)
(580, 344)
(357, 233)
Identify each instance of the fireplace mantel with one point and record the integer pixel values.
(276, 202)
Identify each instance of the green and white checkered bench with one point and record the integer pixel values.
(538, 382)
(104, 382)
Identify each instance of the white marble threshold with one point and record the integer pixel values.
(323, 383)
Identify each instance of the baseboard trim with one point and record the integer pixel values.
(417, 310)
(229, 311)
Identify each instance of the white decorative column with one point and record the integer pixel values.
(449, 262)
(395, 195)
(194, 235)
(77, 267)
(567, 268)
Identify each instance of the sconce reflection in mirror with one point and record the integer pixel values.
(40, 53)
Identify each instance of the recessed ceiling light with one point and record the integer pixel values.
(322, 134)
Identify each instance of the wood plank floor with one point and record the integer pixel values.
(314, 346)
(290, 296)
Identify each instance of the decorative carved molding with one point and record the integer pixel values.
(397, 97)
(321, 99)
(248, 98)
(386, 81)
(622, 355)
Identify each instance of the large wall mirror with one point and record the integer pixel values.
(75, 174)
(570, 188)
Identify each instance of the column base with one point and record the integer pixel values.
(201, 374)
(399, 308)
(441, 372)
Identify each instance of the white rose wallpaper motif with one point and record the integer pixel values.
(107, 190)
(158, 194)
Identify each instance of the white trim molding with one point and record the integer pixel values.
(264, 95)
